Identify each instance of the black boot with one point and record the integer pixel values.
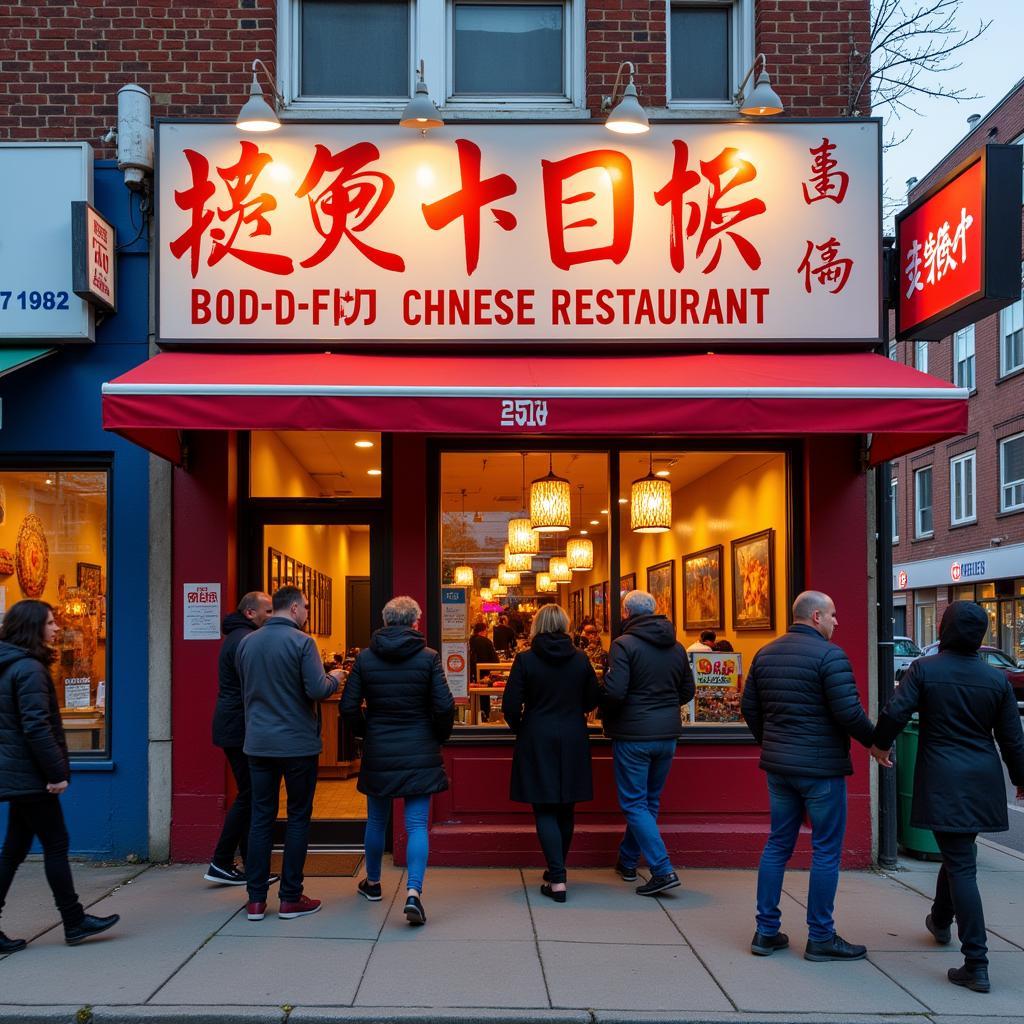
(11, 945)
(974, 978)
(88, 927)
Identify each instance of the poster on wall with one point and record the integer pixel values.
(454, 613)
(201, 616)
(717, 678)
(455, 659)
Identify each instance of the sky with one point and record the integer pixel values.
(990, 67)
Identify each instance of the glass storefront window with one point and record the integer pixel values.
(991, 609)
(986, 590)
(54, 548)
(315, 464)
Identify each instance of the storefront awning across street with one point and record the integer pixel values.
(781, 395)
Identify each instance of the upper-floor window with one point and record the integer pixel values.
(1011, 337)
(921, 355)
(963, 357)
(710, 49)
(1011, 473)
(961, 489)
(894, 506)
(923, 525)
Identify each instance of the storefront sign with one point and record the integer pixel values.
(454, 613)
(455, 659)
(76, 692)
(93, 244)
(350, 233)
(959, 247)
(901, 580)
(1005, 562)
(38, 183)
(202, 611)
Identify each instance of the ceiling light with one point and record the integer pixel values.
(550, 503)
(463, 576)
(579, 551)
(518, 563)
(662, 472)
(559, 571)
(521, 538)
(485, 594)
(373, 472)
(497, 588)
(595, 522)
(506, 577)
(604, 511)
(623, 501)
(651, 506)
(545, 584)
(364, 444)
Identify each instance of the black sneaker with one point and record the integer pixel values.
(224, 876)
(974, 978)
(414, 912)
(836, 948)
(765, 945)
(626, 874)
(11, 945)
(371, 890)
(88, 927)
(658, 883)
(943, 936)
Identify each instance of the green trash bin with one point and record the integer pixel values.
(918, 842)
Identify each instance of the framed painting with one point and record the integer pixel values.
(753, 581)
(606, 625)
(576, 609)
(288, 579)
(626, 584)
(661, 582)
(598, 609)
(90, 578)
(274, 562)
(703, 597)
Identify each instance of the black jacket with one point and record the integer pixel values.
(33, 751)
(504, 638)
(647, 680)
(801, 703)
(481, 652)
(409, 713)
(229, 712)
(550, 689)
(958, 781)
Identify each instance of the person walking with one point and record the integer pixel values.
(958, 781)
(801, 704)
(550, 689)
(409, 712)
(481, 652)
(647, 680)
(283, 679)
(34, 767)
(229, 734)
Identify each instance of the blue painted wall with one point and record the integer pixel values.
(54, 407)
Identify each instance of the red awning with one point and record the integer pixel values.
(783, 395)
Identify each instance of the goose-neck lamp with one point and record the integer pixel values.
(763, 100)
(257, 115)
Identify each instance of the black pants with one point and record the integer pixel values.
(957, 895)
(235, 833)
(299, 774)
(555, 823)
(40, 816)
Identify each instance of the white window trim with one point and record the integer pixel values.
(921, 349)
(1004, 370)
(961, 461)
(740, 58)
(920, 534)
(1003, 441)
(961, 339)
(894, 502)
(429, 35)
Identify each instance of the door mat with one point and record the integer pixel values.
(324, 864)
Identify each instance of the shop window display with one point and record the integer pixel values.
(53, 548)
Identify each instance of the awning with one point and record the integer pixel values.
(12, 359)
(783, 395)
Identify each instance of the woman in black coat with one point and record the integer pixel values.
(409, 712)
(958, 780)
(34, 767)
(550, 689)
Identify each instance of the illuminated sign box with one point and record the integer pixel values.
(94, 257)
(958, 247)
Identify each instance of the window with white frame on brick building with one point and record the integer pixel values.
(962, 489)
(963, 357)
(710, 47)
(923, 522)
(921, 356)
(1011, 473)
(1011, 336)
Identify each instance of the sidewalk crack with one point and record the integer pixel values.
(380, 931)
(536, 939)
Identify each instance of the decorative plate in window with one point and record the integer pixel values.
(32, 555)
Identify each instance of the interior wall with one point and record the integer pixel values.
(274, 470)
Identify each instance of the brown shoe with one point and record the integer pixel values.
(256, 911)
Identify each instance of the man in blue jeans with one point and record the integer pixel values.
(647, 680)
(801, 703)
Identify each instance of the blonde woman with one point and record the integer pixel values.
(550, 689)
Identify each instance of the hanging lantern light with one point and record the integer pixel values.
(485, 594)
(650, 503)
(462, 576)
(559, 570)
(518, 563)
(521, 538)
(545, 584)
(497, 589)
(507, 578)
(550, 503)
(579, 551)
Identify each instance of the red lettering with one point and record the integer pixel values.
(200, 306)
(560, 305)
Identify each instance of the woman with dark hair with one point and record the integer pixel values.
(34, 767)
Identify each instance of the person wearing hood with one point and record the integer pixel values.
(958, 781)
(34, 767)
(550, 689)
(229, 734)
(409, 712)
(647, 681)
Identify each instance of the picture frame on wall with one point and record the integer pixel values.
(598, 608)
(606, 625)
(89, 578)
(753, 581)
(576, 608)
(661, 583)
(288, 580)
(626, 584)
(703, 596)
(274, 559)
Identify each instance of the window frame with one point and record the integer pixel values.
(960, 338)
(921, 356)
(920, 534)
(894, 510)
(1007, 311)
(959, 463)
(1003, 507)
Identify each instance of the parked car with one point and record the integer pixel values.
(904, 651)
(997, 658)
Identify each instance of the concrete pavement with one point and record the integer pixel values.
(495, 950)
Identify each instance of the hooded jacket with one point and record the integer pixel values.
(33, 750)
(229, 713)
(647, 681)
(962, 703)
(409, 712)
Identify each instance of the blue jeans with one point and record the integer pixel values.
(824, 801)
(417, 818)
(641, 768)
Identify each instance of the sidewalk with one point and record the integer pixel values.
(495, 950)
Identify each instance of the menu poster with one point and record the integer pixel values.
(455, 659)
(202, 611)
(717, 675)
(76, 692)
(454, 613)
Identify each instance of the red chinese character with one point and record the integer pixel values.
(620, 174)
(354, 193)
(672, 193)
(194, 199)
(831, 270)
(240, 179)
(824, 176)
(475, 194)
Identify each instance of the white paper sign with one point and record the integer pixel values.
(76, 692)
(454, 613)
(455, 659)
(202, 611)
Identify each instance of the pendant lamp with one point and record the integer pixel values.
(650, 503)
(579, 551)
(521, 538)
(462, 576)
(559, 570)
(518, 563)
(507, 578)
(545, 584)
(485, 594)
(549, 503)
(497, 589)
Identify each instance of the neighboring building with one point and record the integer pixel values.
(958, 513)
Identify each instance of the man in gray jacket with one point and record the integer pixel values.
(282, 681)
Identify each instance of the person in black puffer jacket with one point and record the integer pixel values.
(34, 767)
(958, 780)
(801, 703)
(648, 680)
(409, 712)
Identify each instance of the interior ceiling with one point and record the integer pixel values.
(334, 462)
